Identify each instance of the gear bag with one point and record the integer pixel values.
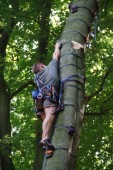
(39, 95)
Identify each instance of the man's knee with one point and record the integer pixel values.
(50, 117)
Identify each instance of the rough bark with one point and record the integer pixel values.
(72, 62)
(5, 127)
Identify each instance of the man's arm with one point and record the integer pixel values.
(56, 53)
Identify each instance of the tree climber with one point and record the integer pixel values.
(46, 97)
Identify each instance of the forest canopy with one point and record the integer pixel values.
(28, 32)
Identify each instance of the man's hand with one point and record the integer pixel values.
(58, 45)
(56, 53)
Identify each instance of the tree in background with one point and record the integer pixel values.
(24, 29)
(21, 53)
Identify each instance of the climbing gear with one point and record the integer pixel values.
(79, 19)
(71, 131)
(47, 147)
(38, 100)
(47, 92)
(59, 108)
(36, 94)
(70, 78)
(39, 95)
(50, 93)
(48, 153)
(47, 142)
(75, 31)
(38, 106)
(72, 8)
(61, 148)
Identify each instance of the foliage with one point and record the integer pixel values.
(96, 141)
(21, 53)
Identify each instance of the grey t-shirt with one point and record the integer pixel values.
(48, 76)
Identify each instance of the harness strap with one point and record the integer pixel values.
(61, 149)
(76, 31)
(69, 105)
(62, 85)
(70, 78)
(75, 87)
(72, 53)
(70, 65)
(79, 19)
(71, 129)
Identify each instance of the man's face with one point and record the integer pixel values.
(41, 67)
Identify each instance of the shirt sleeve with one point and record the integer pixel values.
(53, 63)
(35, 80)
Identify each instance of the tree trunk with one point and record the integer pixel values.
(72, 63)
(44, 29)
(5, 127)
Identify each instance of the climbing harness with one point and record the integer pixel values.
(39, 95)
(48, 92)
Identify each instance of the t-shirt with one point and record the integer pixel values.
(48, 76)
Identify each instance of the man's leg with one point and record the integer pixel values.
(42, 116)
(48, 121)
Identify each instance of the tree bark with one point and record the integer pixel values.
(5, 127)
(72, 62)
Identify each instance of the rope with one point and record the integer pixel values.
(75, 87)
(72, 54)
(84, 36)
(74, 19)
(61, 149)
(66, 126)
(70, 65)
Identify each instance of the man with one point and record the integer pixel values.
(47, 80)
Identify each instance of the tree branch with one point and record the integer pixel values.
(30, 82)
(110, 69)
(94, 113)
(101, 113)
(38, 22)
